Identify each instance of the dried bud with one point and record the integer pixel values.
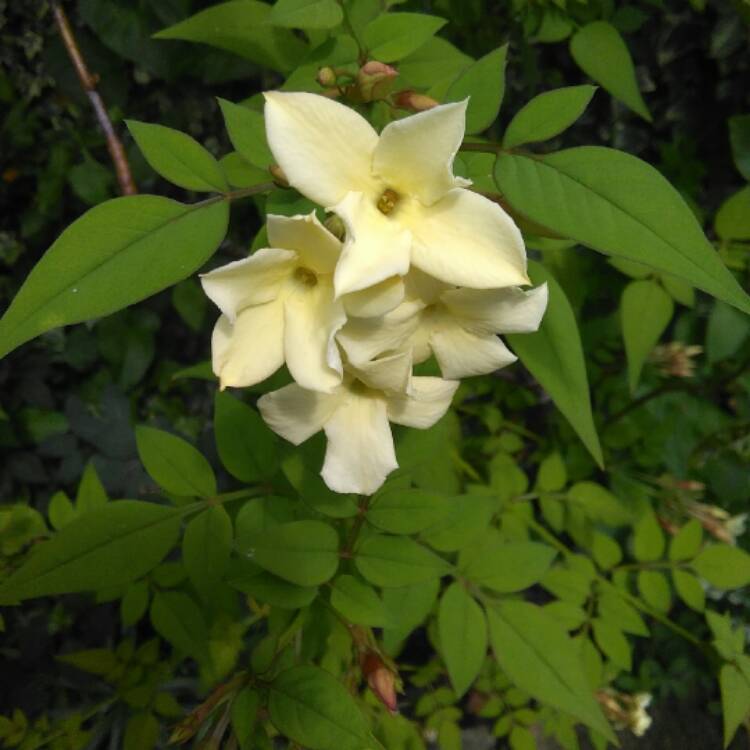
(375, 80)
(717, 522)
(412, 100)
(626, 711)
(675, 359)
(326, 77)
(381, 680)
(278, 176)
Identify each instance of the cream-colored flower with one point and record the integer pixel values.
(396, 193)
(458, 326)
(356, 416)
(278, 306)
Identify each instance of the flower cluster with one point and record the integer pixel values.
(424, 267)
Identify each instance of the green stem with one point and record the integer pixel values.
(359, 521)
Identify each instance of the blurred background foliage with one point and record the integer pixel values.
(69, 400)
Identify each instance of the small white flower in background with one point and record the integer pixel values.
(626, 711)
(396, 193)
(356, 416)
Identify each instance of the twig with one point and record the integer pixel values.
(88, 82)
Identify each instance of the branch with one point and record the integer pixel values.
(88, 82)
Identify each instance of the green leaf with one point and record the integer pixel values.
(177, 157)
(314, 709)
(397, 561)
(605, 550)
(613, 643)
(357, 602)
(463, 636)
(735, 699)
(247, 131)
(639, 216)
(303, 552)
(689, 589)
(645, 312)
(505, 566)
(242, 27)
(306, 14)
(115, 255)
(547, 115)
(314, 491)
(174, 464)
(134, 604)
(245, 716)
(91, 493)
(599, 504)
(687, 541)
(246, 447)
(522, 739)
(613, 607)
(540, 658)
(436, 60)
(648, 541)
(141, 732)
(723, 566)
(408, 511)
(600, 52)
(553, 475)
(469, 516)
(554, 356)
(178, 619)
(484, 83)
(726, 332)
(266, 587)
(407, 607)
(96, 551)
(732, 220)
(206, 548)
(393, 36)
(739, 137)
(653, 586)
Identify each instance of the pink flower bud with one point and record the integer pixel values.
(381, 680)
(412, 100)
(375, 80)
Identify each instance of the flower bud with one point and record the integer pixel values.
(278, 176)
(335, 226)
(326, 77)
(412, 100)
(375, 80)
(381, 680)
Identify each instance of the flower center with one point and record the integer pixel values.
(387, 201)
(306, 276)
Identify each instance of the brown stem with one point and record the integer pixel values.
(88, 82)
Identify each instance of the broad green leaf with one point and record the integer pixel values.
(91, 493)
(303, 552)
(645, 312)
(653, 587)
(96, 551)
(484, 83)
(408, 511)
(521, 738)
(266, 587)
(247, 131)
(462, 628)
(605, 550)
(397, 561)
(174, 464)
(599, 504)
(540, 658)
(735, 699)
(648, 540)
(141, 732)
(505, 566)
(554, 356)
(739, 137)
(434, 61)
(686, 543)
(393, 36)
(60, 510)
(246, 447)
(732, 220)
(312, 708)
(639, 216)
(726, 332)
(600, 52)
(306, 14)
(613, 643)
(357, 602)
(547, 115)
(178, 619)
(245, 707)
(134, 604)
(723, 566)
(177, 157)
(242, 27)
(314, 491)
(407, 607)
(612, 606)
(469, 516)
(552, 475)
(115, 255)
(240, 173)
(679, 290)
(206, 548)
(689, 589)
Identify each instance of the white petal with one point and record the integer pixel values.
(295, 413)
(316, 247)
(467, 240)
(420, 285)
(375, 300)
(415, 155)
(509, 310)
(391, 374)
(365, 338)
(462, 353)
(360, 452)
(251, 349)
(324, 148)
(311, 320)
(428, 400)
(376, 247)
(250, 281)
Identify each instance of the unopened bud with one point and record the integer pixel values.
(412, 100)
(278, 176)
(335, 226)
(326, 77)
(375, 80)
(381, 680)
